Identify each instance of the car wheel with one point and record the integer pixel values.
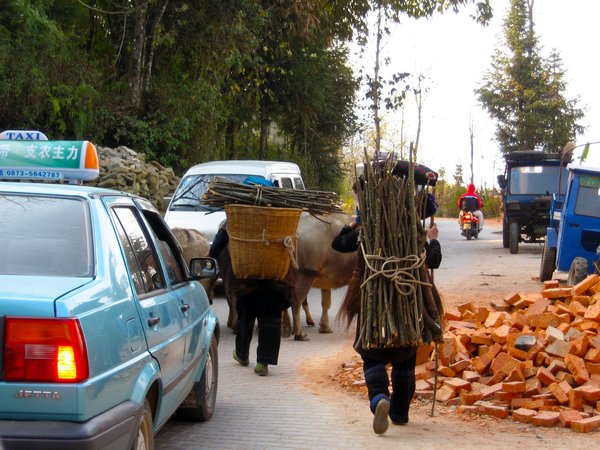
(578, 271)
(200, 404)
(505, 242)
(513, 237)
(145, 434)
(548, 262)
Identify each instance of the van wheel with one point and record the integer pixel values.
(145, 434)
(548, 262)
(513, 237)
(200, 403)
(578, 271)
(505, 242)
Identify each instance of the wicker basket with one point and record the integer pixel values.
(262, 240)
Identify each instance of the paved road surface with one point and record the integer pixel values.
(280, 412)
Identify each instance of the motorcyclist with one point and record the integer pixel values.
(472, 202)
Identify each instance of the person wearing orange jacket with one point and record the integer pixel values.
(471, 201)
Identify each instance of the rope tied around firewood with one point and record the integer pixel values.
(399, 270)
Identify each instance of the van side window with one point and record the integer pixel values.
(298, 183)
(287, 183)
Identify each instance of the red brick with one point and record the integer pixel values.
(545, 376)
(457, 384)
(592, 312)
(480, 364)
(585, 284)
(557, 292)
(575, 399)
(539, 307)
(468, 398)
(523, 415)
(549, 284)
(559, 348)
(445, 393)
(576, 366)
(559, 393)
(590, 392)
(506, 397)
(460, 365)
(500, 412)
(533, 387)
(511, 299)
(569, 415)
(586, 425)
(514, 386)
(494, 319)
(546, 419)
(593, 355)
(580, 345)
(471, 376)
(544, 320)
(489, 391)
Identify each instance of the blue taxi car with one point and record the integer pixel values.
(105, 331)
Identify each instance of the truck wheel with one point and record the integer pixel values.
(200, 403)
(548, 262)
(578, 271)
(505, 242)
(145, 434)
(513, 237)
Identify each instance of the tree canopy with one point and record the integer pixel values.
(187, 81)
(525, 93)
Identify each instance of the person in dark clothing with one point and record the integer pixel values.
(257, 300)
(402, 359)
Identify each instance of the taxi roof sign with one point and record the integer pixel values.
(27, 135)
(49, 160)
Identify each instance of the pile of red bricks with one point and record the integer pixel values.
(535, 357)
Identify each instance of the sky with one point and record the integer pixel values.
(454, 53)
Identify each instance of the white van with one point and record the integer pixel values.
(186, 209)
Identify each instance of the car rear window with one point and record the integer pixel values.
(45, 236)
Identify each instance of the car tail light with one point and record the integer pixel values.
(47, 350)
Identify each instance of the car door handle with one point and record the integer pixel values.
(184, 307)
(574, 225)
(153, 321)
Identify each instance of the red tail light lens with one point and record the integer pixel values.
(467, 217)
(47, 350)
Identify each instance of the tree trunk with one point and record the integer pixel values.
(264, 137)
(156, 19)
(136, 59)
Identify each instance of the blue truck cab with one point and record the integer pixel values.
(105, 330)
(573, 237)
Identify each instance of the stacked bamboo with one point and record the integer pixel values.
(395, 290)
(222, 192)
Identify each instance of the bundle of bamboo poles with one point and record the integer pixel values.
(221, 192)
(395, 290)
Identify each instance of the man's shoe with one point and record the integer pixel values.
(261, 369)
(243, 362)
(380, 419)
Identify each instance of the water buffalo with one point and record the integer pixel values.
(319, 266)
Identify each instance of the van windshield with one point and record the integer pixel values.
(188, 195)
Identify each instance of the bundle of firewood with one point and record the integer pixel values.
(397, 301)
(222, 192)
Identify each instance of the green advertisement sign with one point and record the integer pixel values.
(36, 154)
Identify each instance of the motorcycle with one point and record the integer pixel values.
(469, 225)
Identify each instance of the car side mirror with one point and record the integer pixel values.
(203, 268)
(502, 181)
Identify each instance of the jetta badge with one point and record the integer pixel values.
(46, 395)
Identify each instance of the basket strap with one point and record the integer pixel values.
(289, 243)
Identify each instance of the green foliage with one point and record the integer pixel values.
(447, 197)
(525, 93)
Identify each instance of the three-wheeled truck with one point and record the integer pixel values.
(573, 236)
(530, 179)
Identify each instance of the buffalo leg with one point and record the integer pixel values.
(325, 305)
(299, 334)
(309, 320)
(286, 326)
